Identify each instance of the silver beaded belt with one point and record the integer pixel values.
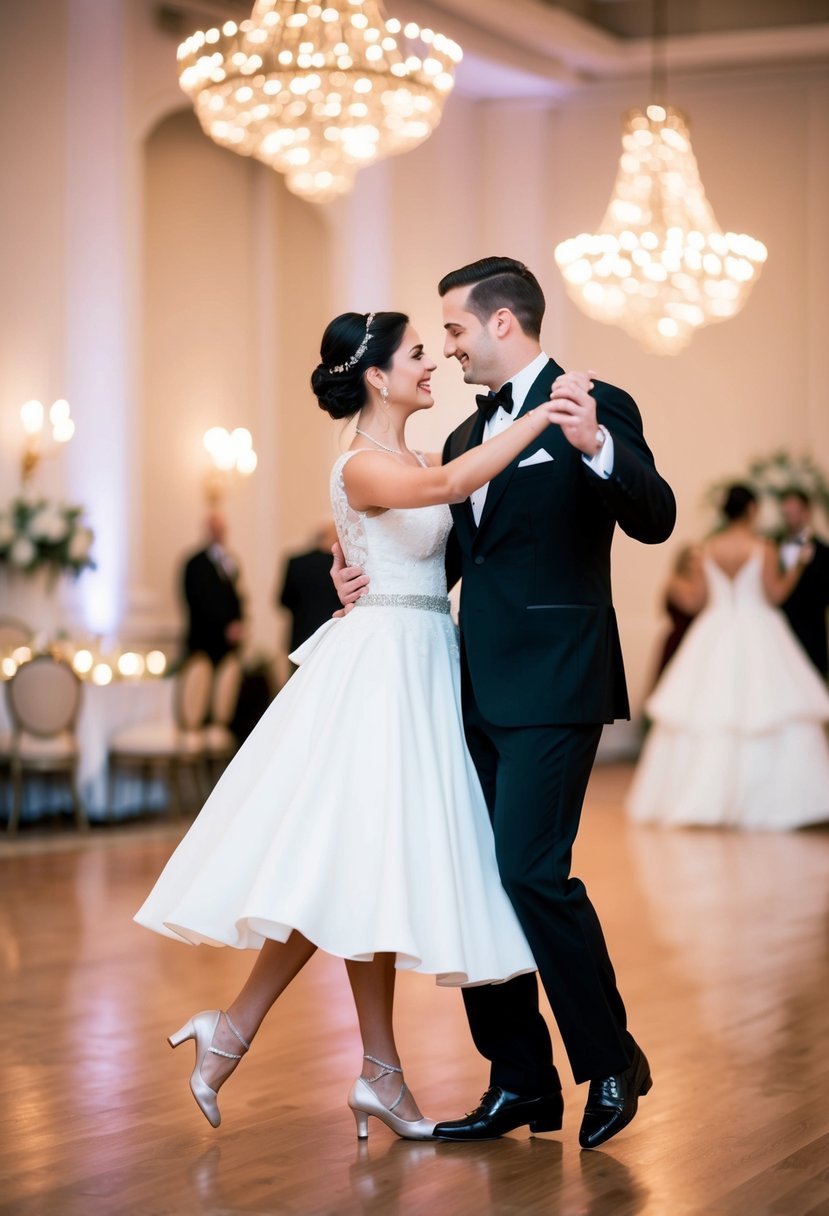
(427, 603)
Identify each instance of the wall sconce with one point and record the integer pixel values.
(232, 457)
(33, 417)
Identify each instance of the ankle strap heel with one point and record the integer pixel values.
(386, 1070)
(229, 1055)
(364, 1102)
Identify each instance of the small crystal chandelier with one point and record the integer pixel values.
(318, 90)
(660, 266)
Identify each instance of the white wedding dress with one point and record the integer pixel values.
(353, 812)
(737, 737)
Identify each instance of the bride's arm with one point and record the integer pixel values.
(381, 481)
(779, 586)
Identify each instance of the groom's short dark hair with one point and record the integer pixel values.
(796, 492)
(500, 283)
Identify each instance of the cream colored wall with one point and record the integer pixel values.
(233, 304)
(224, 282)
(32, 231)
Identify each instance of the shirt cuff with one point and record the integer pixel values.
(602, 462)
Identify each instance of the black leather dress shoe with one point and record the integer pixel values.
(500, 1112)
(613, 1101)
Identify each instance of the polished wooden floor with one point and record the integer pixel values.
(720, 941)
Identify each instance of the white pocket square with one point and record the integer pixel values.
(538, 457)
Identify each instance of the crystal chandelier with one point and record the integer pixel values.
(318, 90)
(659, 266)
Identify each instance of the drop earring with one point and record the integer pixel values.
(384, 393)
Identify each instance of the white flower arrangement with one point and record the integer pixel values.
(771, 476)
(37, 534)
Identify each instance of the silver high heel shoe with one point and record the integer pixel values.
(364, 1102)
(202, 1027)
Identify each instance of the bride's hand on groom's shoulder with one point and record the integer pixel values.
(350, 582)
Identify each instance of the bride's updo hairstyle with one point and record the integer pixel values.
(352, 343)
(737, 502)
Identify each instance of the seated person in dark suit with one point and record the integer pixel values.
(806, 606)
(307, 591)
(210, 589)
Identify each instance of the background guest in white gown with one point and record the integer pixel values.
(737, 737)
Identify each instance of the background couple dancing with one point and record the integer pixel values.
(357, 818)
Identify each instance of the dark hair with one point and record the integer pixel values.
(738, 498)
(500, 283)
(796, 492)
(343, 393)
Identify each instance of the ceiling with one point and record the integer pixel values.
(540, 47)
(554, 48)
(636, 18)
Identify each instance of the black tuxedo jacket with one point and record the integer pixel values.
(538, 629)
(212, 603)
(806, 607)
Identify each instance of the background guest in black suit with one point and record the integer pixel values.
(214, 607)
(807, 605)
(307, 591)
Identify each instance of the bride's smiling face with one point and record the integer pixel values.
(409, 377)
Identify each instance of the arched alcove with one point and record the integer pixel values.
(235, 296)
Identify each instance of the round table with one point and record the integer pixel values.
(106, 709)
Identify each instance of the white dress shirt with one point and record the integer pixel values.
(790, 550)
(220, 558)
(522, 382)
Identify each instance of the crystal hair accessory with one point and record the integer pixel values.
(359, 352)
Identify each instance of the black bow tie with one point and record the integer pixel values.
(488, 403)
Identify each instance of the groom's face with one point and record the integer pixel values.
(470, 341)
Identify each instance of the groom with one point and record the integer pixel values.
(541, 670)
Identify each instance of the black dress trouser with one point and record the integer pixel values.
(534, 779)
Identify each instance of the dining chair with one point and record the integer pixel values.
(171, 747)
(13, 633)
(43, 698)
(220, 741)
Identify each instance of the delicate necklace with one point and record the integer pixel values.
(371, 439)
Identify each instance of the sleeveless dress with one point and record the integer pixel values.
(737, 737)
(353, 812)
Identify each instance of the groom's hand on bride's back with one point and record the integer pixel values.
(350, 582)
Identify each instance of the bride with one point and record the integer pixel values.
(737, 737)
(352, 818)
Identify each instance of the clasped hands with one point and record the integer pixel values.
(576, 412)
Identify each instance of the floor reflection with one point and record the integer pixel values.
(745, 917)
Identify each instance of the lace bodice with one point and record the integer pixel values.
(742, 590)
(402, 551)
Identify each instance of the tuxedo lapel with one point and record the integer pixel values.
(538, 393)
(469, 434)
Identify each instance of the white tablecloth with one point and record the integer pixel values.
(104, 711)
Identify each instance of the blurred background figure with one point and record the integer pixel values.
(307, 590)
(737, 737)
(214, 607)
(807, 605)
(680, 600)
